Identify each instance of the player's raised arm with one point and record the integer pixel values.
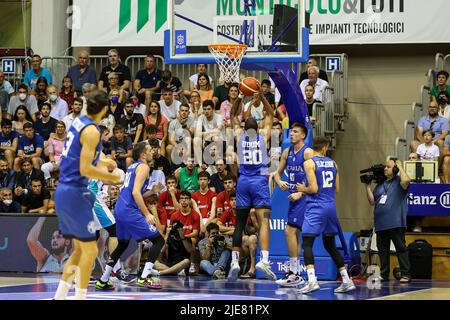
(89, 139)
(268, 119)
(312, 187)
(37, 250)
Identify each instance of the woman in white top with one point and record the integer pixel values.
(428, 150)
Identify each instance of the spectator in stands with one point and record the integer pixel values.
(55, 149)
(36, 201)
(7, 175)
(255, 109)
(30, 146)
(195, 103)
(9, 140)
(40, 91)
(138, 106)
(20, 118)
(205, 200)
(160, 122)
(314, 80)
(108, 121)
(215, 252)
(204, 88)
(45, 125)
(169, 106)
(266, 89)
(161, 162)
(227, 105)
(441, 79)
(223, 198)
(188, 217)
(106, 141)
(24, 177)
(444, 107)
(217, 179)
(177, 250)
(446, 161)
(115, 66)
(220, 94)
(188, 176)
(309, 98)
(169, 199)
(133, 123)
(32, 75)
(146, 83)
(227, 225)
(180, 129)
(113, 84)
(313, 62)
(413, 156)
(437, 124)
(390, 201)
(86, 88)
(193, 80)
(156, 180)
(172, 83)
(116, 107)
(23, 98)
(428, 150)
(59, 107)
(8, 205)
(76, 112)
(6, 91)
(82, 72)
(67, 93)
(210, 126)
(121, 148)
(158, 212)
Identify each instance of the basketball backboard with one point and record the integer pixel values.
(194, 24)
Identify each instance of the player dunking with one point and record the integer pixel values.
(252, 189)
(320, 216)
(292, 159)
(134, 220)
(80, 161)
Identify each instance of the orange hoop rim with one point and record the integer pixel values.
(232, 50)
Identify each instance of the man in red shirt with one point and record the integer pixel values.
(188, 217)
(205, 199)
(169, 199)
(223, 199)
(158, 212)
(227, 223)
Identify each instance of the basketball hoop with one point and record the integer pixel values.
(228, 58)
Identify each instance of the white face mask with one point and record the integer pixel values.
(53, 97)
(7, 202)
(22, 96)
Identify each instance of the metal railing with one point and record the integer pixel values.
(22, 65)
(439, 61)
(426, 96)
(401, 149)
(417, 111)
(58, 66)
(409, 130)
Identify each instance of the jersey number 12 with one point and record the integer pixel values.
(327, 178)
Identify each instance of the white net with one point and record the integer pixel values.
(228, 58)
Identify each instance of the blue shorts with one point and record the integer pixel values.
(320, 219)
(132, 225)
(73, 206)
(252, 192)
(296, 213)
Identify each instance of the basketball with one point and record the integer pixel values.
(249, 86)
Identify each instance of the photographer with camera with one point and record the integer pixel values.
(389, 197)
(215, 252)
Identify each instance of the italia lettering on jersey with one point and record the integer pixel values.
(70, 158)
(294, 168)
(326, 173)
(252, 155)
(126, 199)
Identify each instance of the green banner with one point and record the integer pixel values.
(11, 26)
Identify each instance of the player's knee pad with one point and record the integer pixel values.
(121, 247)
(241, 221)
(330, 246)
(307, 245)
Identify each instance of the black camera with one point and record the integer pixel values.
(374, 173)
(218, 238)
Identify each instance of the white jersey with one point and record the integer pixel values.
(52, 264)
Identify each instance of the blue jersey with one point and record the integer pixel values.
(326, 173)
(126, 199)
(70, 159)
(252, 154)
(295, 170)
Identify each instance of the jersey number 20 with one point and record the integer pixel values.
(327, 177)
(252, 156)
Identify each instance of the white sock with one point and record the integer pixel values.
(235, 256)
(80, 294)
(106, 274)
(147, 270)
(345, 277)
(117, 266)
(311, 275)
(293, 265)
(265, 256)
(62, 291)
